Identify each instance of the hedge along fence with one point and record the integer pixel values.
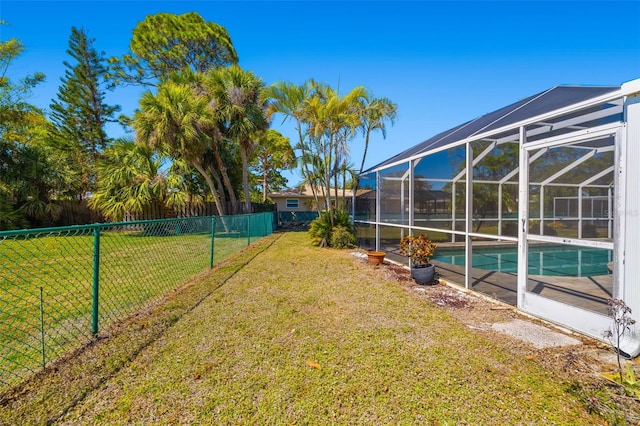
(61, 286)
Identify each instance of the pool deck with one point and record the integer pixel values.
(590, 293)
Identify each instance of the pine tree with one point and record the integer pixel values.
(80, 112)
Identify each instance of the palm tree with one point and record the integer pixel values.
(290, 100)
(185, 187)
(326, 123)
(348, 121)
(240, 112)
(217, 155)
(348, 169)
(129, 180)
(315, 176)
(374, 115)
(318, 157)
(333, 120)
(177, 121)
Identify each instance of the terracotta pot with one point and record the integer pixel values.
(423, 274)
(375, 257)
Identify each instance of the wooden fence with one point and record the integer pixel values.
(78, 212)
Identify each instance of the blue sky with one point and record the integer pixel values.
(443, 63)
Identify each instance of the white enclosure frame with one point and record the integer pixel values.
(587, 322)
(579, 122)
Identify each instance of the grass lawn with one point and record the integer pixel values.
(134, 270)
(286, 333)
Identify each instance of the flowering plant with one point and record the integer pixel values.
(417, 248)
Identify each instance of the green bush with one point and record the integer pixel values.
(320, 229)
(342, 237)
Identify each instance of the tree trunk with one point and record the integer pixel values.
(327, 198)
(221, 192)
(264, 185)
(214, 193)
(327, 168)
(245, 180)
(356, 182)
(222, 210)
(344, 185)
(364, 155)
(336, 178)
(305, 169)
(225, 178)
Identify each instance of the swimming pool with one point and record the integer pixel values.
(556, 260)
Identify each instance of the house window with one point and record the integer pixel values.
(293, 203)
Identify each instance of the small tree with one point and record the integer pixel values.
(273, 152)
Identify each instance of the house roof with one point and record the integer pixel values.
(553, 99)
(305, 192)
(287, 193)
(423, 194)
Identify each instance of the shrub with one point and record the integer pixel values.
(320, 229)
(342, 237)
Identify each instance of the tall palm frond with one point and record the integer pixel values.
(177, 121)
(374, 116)
(240, 111)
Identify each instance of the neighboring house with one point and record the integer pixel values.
(301, 199)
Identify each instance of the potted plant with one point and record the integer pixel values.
(375, 257)
(419, 249)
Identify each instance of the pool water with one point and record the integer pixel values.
(557, 260)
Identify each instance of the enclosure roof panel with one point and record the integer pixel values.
(541, 103)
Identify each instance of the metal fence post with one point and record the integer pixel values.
(96, 279)
(213, 234)
(248, 230)
(44, 352)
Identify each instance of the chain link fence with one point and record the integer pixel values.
(296, 220)
(61, 286)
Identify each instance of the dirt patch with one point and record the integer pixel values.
(450, 300)
(397, 272)
(469, 308)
